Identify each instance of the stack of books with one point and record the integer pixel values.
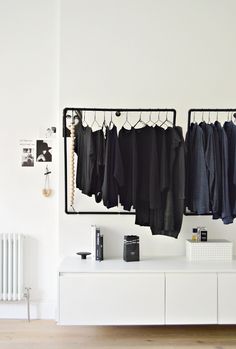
(97, 243)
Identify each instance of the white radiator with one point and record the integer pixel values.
(11, 267)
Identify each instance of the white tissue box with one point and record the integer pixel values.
(211, 250)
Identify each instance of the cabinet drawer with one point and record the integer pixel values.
(227, 298)
(111, 298)
(191, 298)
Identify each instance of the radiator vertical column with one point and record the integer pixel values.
(20, 268)
(5, 267)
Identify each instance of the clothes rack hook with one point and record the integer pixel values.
(118, 113)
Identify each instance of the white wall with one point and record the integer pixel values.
(127, 53)
(152, 53)
(29, 104)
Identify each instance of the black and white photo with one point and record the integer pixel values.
(43, 151)
(27, 159)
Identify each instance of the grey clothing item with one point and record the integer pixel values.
(209, 151)
(175, 193)
(84, 148)
(217, 190)
(113, 172)
(127, 146)
(230, 130)
(197, 191)
(98, 167)
(223, 141)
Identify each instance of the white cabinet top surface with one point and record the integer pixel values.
(146, 265)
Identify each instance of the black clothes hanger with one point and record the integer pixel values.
(140, 121)
(127, 121)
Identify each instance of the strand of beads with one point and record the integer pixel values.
(72, 164)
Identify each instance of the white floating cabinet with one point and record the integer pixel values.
(191, 298)
(112, 299)
(227, 298)
(150, 292)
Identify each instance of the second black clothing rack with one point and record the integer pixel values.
(67, 113)
(206, 115)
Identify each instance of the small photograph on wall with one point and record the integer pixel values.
(43, 150)
(27, 157)
(51, 132)
(27, 154)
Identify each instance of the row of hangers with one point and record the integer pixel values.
(81, 116)
(231, 116)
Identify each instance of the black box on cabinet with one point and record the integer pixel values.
(131, 248)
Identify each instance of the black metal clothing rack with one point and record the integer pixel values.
(191, 113)
(118, 112)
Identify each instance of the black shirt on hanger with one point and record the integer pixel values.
(113, 172)
(146, 162)
(98, 168)
(168, 220)
(197, 189)
(127, 145)
(84, 148)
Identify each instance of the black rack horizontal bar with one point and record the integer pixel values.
(65, 111)
(121, 109)
(211, 110)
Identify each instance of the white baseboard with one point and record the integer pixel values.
(18, 310)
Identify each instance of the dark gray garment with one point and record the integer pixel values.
(209, 150)
(147, 174)
(197, 193)
(84, 149)
(146, 165)
(217, 189)
(175, 194)
(230, 129)
(223, 141)
(165, 218)
(98, 168)
(145, 139)
(127, 144)
(113, 172)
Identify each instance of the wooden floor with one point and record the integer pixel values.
(41, 334)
